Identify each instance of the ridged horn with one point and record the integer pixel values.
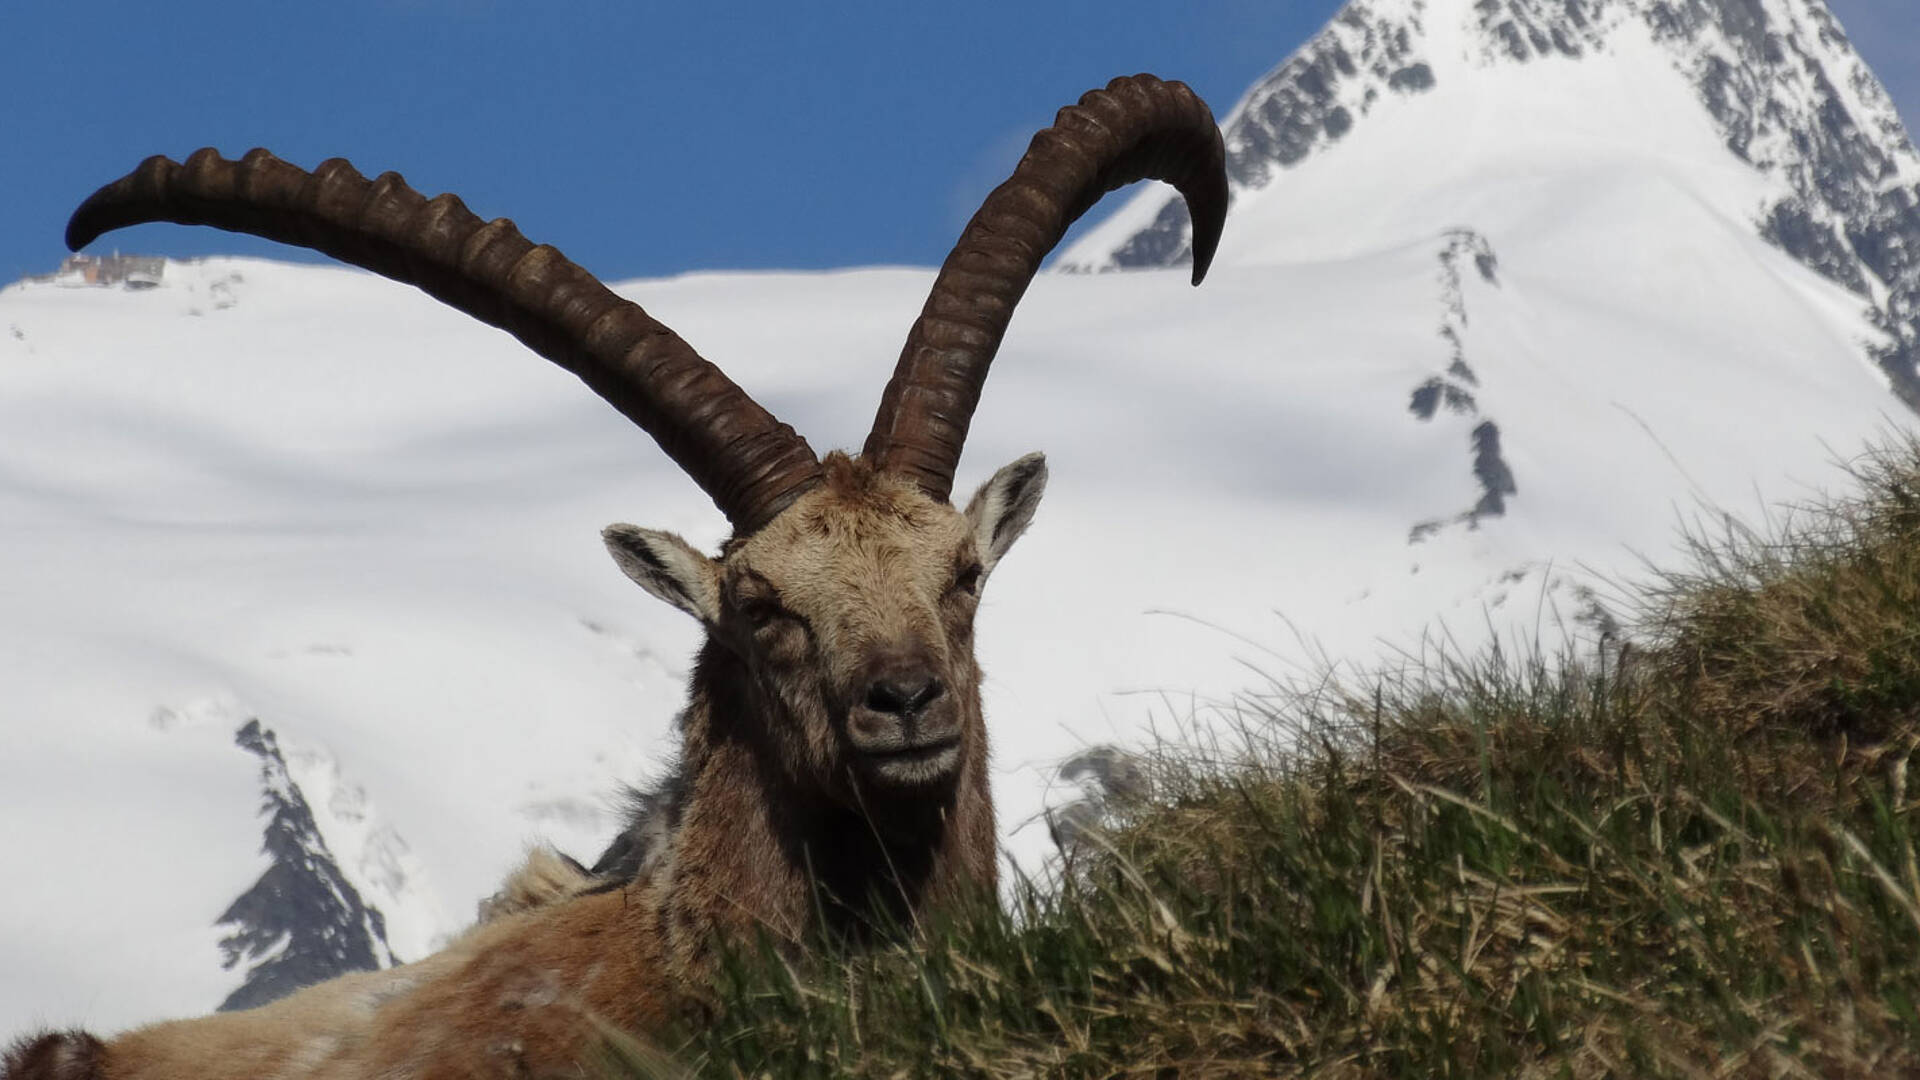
(746, 460)
(1137, 128)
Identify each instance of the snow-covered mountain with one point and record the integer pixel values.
(1458, 106)
(1492, 317)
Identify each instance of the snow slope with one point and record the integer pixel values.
(1437, 369)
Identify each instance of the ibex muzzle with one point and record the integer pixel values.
(906, 723)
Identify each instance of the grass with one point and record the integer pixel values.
(1690, 855)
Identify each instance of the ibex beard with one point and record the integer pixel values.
(833, 769)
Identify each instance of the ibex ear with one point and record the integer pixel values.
(1004, 505)
(668, 567)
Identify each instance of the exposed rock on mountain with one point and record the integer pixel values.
(1454, 387)
(302, 922)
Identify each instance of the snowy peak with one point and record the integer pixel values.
(1796, 137)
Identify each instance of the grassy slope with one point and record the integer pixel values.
(1694, 856)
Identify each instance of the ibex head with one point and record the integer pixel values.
(853, 610)
(846, 594)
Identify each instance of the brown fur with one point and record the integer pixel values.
(545, 877)
(786, 824)
(56, 1055)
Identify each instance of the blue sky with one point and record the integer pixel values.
(641, 138)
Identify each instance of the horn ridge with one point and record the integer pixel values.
(1137, 127)
(746, 460)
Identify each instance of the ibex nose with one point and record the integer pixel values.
(905, 725)
(903, 693)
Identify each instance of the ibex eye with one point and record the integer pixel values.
(968, 580)
(760, 612)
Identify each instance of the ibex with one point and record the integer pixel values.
(834, 766)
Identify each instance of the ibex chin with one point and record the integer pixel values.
(834, 766)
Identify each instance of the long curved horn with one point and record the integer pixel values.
(751, 464)
(1138, 128)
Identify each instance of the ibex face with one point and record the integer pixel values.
(853, 613)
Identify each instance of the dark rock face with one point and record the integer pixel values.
(1777, 77)
(1496, 479)
(302, 922)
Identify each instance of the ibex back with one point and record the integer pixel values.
(833, 773)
